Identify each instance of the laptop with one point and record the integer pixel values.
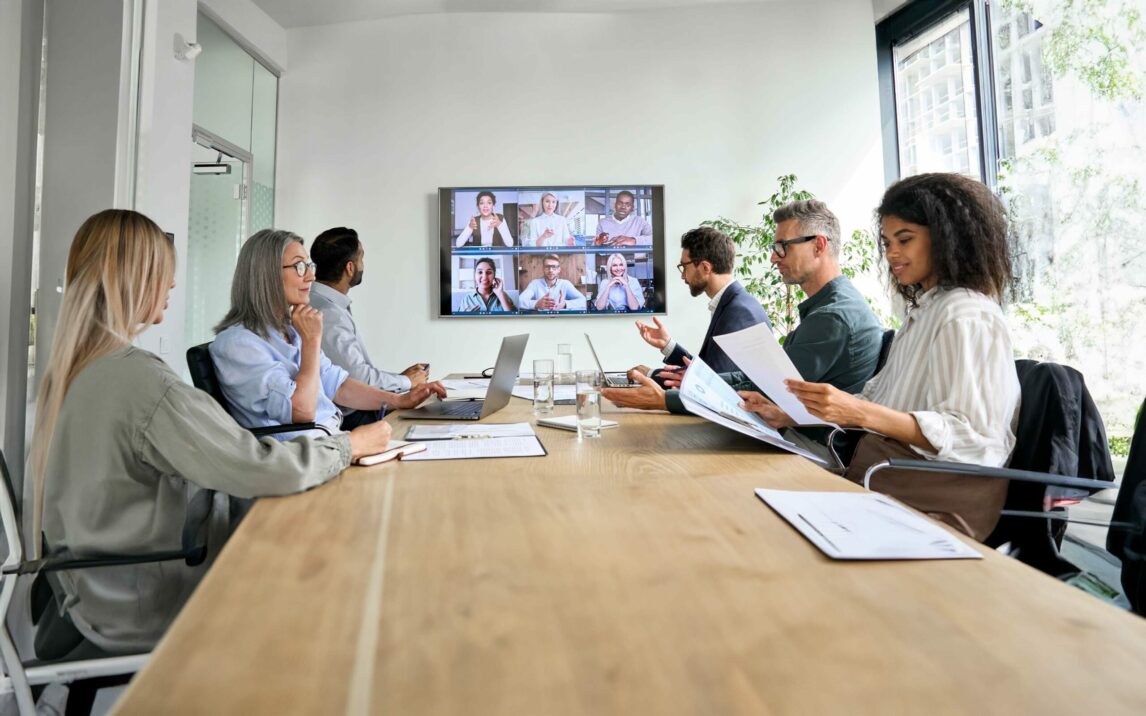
(612, 380)
(496, 395)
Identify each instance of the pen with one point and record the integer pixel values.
(471, 436)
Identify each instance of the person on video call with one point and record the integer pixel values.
(619, 291)
(623, 227)
(547, 227)
(552, 293)
(489, 294)
(490, 228)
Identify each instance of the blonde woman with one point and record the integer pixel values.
(120, 439)
(547, 227)
(619, 291)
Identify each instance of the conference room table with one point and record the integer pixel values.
(636, 573)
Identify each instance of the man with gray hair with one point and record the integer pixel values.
(838, 338)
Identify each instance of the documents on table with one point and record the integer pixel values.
(756, 351)
(569, 422)
(705, 394)
(467, 389)
(480, 447)
(457, 431)
(864, 525)
(560, 392)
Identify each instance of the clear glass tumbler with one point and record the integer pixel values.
(588, 404)
(542, 387)
(564, 363)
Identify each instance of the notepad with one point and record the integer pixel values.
(569, 422)
(396, 450)
(864, 526)
(460, 431)
(480, 448)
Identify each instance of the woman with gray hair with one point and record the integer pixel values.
(268, 353)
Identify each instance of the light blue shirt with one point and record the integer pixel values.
(342, 343)
(473, 300)
(538, 289)
(619, 299)
(258, 380)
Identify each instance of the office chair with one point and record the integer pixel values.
(1129, 545)
(85, 676)
(1060, 443)
(203, 377)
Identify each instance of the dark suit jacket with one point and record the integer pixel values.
(736, 311)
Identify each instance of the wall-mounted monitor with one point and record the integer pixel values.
(591, 250)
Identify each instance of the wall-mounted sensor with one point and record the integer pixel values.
(186, 51)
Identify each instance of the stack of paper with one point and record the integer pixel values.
(705, 394)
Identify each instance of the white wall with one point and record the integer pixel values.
(881, 9)
(714, 103)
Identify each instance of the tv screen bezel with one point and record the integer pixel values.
(445, 252)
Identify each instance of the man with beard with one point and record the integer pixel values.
(338, 256)
(706, 260)
(624, 227)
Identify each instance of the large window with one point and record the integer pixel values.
(1044, 101)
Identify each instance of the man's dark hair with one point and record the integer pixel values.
(332, 250)
(626, 192)
(968, 227)
(707, 244)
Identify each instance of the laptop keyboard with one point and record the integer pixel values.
(470, 407)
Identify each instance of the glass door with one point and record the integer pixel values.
(219, 221)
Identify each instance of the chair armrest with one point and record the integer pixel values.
(998, 473)
(61, 563)
(289, 428)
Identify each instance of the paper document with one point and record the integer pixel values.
(560, 392)
(468, 389)
(864, 525)
(478, 448)
(756, 351)
(450, 431)
(705, 394)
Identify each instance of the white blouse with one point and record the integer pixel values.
(952, 367)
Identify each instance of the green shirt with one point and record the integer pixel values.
(837, 342)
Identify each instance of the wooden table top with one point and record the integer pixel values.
(634, 574)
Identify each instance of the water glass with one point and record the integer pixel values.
(542, 387)
(564, 361)
(588, 404)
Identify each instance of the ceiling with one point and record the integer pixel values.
(306, 13)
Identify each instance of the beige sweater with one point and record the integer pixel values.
(133, 443)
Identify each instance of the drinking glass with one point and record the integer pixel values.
(588, 404)
(564, 362)
(542, 387)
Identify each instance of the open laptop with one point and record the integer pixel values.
(496, 396)
(612, 380)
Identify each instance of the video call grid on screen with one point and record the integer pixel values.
(552, 250)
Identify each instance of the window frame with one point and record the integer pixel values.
(910, 21)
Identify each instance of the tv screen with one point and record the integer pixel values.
(552, 250)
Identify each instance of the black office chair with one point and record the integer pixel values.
(203, 377)
(85, 676)
(1129, 544)
(1060, 443)
(884, 349)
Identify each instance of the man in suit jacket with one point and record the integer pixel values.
(706, 259)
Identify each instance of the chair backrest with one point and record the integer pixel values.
(1129, 545)
(884, 349)
(10, 514)
(1059, 432)
(203, 373)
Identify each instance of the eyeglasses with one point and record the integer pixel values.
(780, 248)
(301, 267)
(682, 264)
